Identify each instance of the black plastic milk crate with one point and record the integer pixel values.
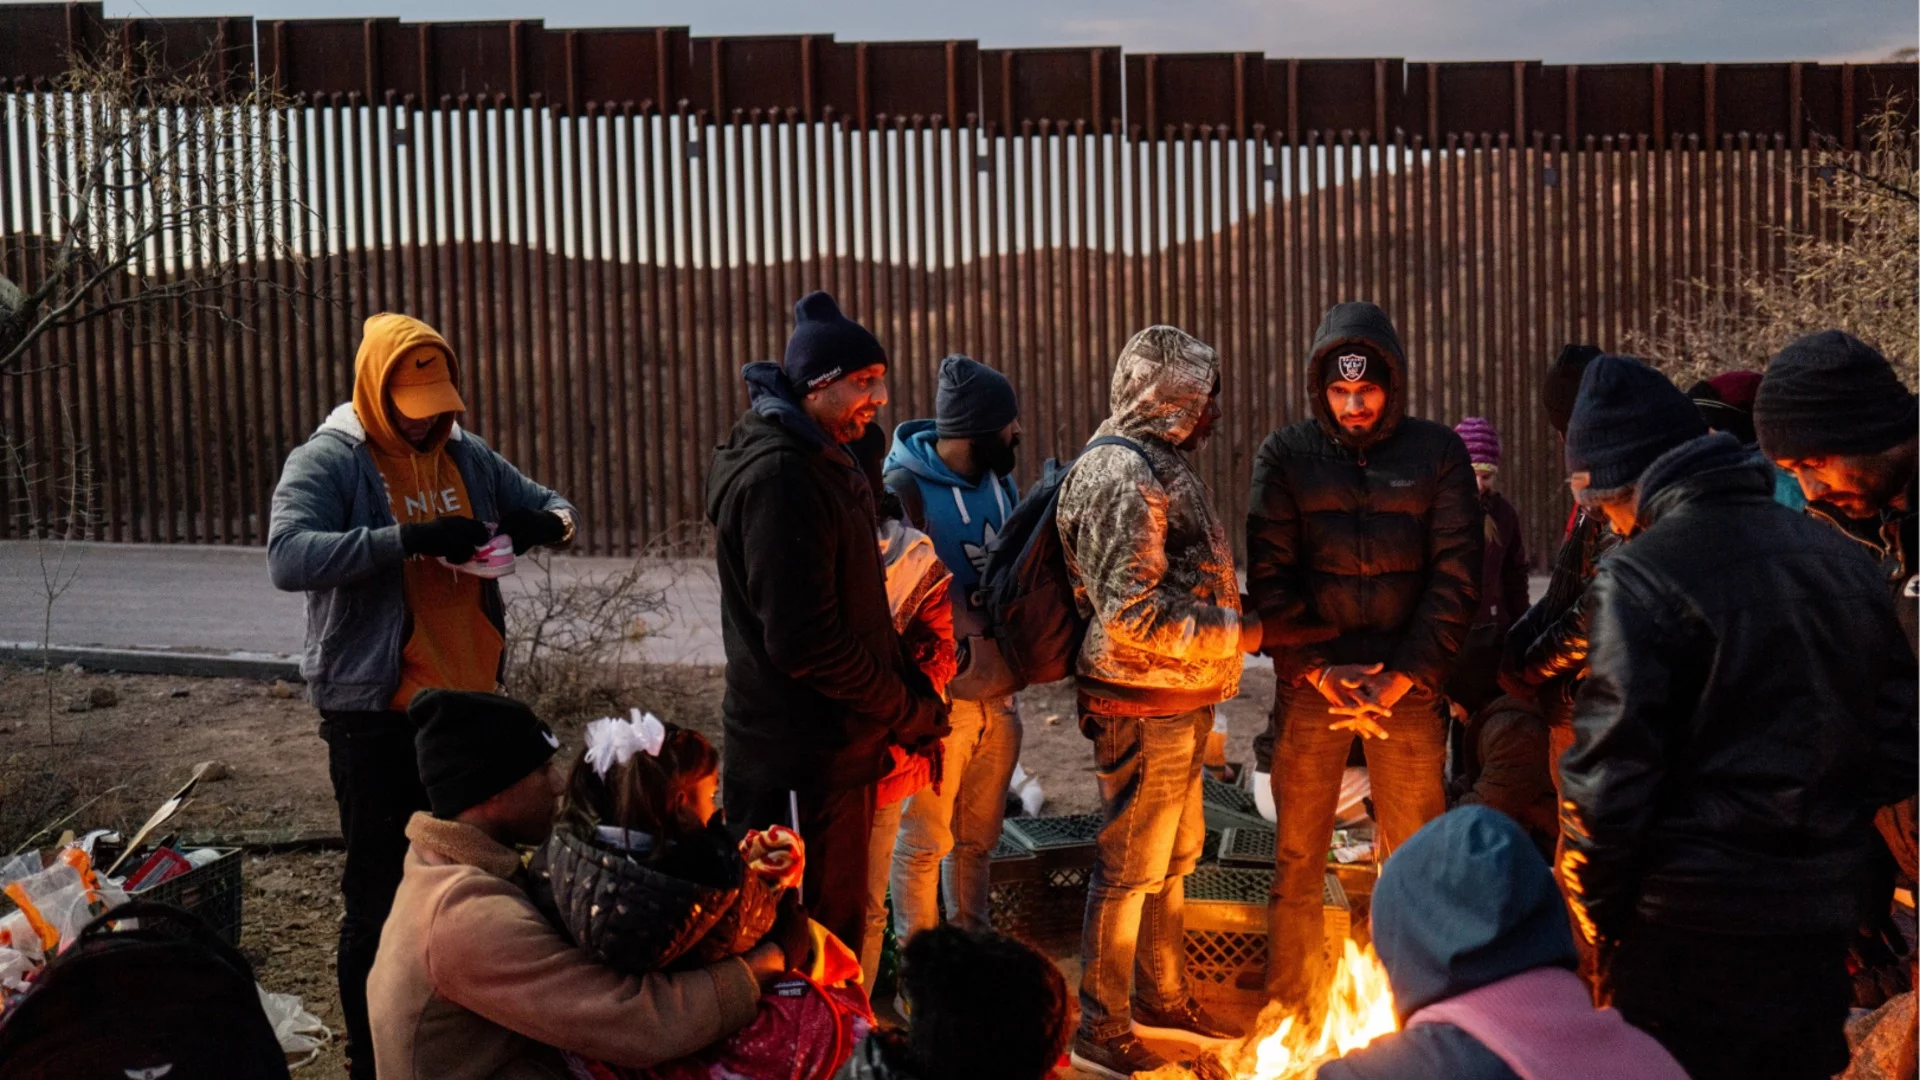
(212, 892)
(1226, 923)
(1230, 807)
(1040, 872)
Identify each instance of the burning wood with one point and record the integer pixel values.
(1359, 1009)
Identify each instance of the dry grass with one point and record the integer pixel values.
(1862, 278)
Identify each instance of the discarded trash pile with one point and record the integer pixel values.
(48, 903)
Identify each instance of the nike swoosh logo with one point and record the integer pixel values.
(552, 739)
(428, 362)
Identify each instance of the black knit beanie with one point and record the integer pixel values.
(1562, 383)
(473, 746)
(1831, 393)
(1355, 362)
(826, 344)
(1627, 415)
(973, 399)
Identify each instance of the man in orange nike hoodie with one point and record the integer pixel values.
(372, 517)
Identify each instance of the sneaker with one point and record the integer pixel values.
(1117, 1058)
(1186, 1022)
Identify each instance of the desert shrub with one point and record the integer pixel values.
(1860, 277)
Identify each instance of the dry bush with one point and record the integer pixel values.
(1861, 278)
(567, 639)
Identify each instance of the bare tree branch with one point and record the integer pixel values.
(166, 190)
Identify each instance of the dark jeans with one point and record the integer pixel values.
(1308, 758)
(1735, 1007)
(376, 782)
(837, 827)
(1133, 944)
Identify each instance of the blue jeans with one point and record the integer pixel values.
(1133, 944)
(959, 824)
(1408, 791)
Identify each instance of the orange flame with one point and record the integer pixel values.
(1359, 1010)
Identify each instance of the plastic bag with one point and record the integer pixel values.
(299, 1031)
(14, 968)
(17, 933)
(19, 866)
(58, 904)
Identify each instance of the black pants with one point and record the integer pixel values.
(376, 781)
(1732, 1006)
(837, 827)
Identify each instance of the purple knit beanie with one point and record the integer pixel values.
(1483, 443)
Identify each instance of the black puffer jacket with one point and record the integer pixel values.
(1546, 650)
(816, 683)
(690, 911)
(1378, 537)
(1748, 705)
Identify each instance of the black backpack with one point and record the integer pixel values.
(1033, 627)
(168, 1001)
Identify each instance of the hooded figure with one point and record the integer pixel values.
(1470, 927)
(1150, 558)
(1364, 549)
(817, 685)
(373, 522)
(1153, 574)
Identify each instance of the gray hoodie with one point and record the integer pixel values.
(333, 536)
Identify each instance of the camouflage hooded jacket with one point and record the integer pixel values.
(1151, 565)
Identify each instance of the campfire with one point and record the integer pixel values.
(1359, 1009)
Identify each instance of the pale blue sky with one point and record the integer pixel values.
(1557, 31)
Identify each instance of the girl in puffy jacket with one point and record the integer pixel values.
(645, 878)
(644, 875)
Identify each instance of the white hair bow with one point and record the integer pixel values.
(613, 741)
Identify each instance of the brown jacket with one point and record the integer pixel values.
(473, 983)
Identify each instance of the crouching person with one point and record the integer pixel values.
(984, 1005)
(1471, 929)
(471, 980)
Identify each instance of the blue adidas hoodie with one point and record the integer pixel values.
(963, 517)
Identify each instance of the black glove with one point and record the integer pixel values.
(792, 933)
(925, 723)
(533, 528)
(451, 538)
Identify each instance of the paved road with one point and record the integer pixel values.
(218, 599)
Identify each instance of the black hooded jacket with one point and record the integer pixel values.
(1749, 704)
(1377, 538)
(816, 681)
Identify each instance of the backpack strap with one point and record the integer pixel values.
(1117, 440)
(901, 482)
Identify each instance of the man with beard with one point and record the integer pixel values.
(817, 685)
(1363, 528)
(952, 475)
(1153, 575)
(1832, 412)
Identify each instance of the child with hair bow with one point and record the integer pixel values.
(645, 878)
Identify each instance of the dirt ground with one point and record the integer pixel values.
(114, 763)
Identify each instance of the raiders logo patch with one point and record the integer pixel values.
(1352, 366)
